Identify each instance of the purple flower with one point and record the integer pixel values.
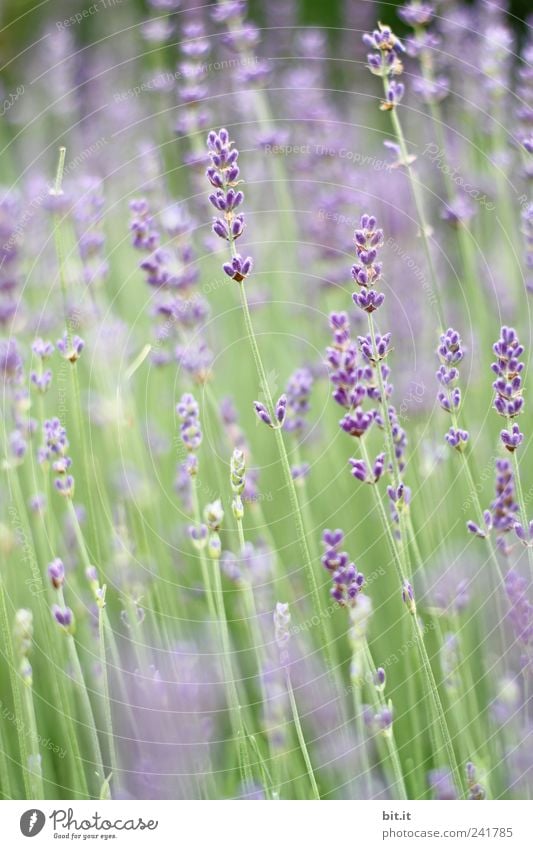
(383, 719)
(416, 14)
(525, 535)
(10, 360)
(190, 430)
(42, 349)
(223, 174)
(198, 536)
(513, 438)
(281, 409)
(347, 581)
(441, 782)
(262, 413)
(408, 597)
(361, 472)
(56, 573)
(457, 438)
(64, 617)
(387, 62)
(298, 391)
(41, 381)
(70, 349)
(380, 678)
(508, 369)
(502, 515)
(145, 237)
(238, 269)
(356, 423)
(366, 272)
(521, 610)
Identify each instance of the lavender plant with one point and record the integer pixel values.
(175, 440)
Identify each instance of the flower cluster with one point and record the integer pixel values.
(55, 449)
(347, 581)
(520, 613)
(386, 62)
(351, 379)
(450, 353)
(298, 392)
(88, 218)
(502, 515)
(416, 14)
(223, 174)
(476, 791)
(241, 37)
(367, 271)
(190, 430)
(42, 378)
(191, 87)
(70, 347)
(280, 412)
(508, 401)
(64, 617)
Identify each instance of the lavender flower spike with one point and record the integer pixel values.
(223, 174)
(190, 430)
(366, 272)
(508, 370)
(386, 63)
(56, 573)
(64, 618)
(408, 597)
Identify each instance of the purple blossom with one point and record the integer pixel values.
(521, 611)
(42, 349)
(223, 174)
(503, 512)
(64, 617)
(441, 782)
(10, 359)
(56, 573)
(347, 580)
(298, 391)
(416, 14)
(361, 472)
(189, 414)
(71, 348)
(408, 597)
(508, 370)
(238, 269)
(262, 413)
(366, 272)
(385, 63)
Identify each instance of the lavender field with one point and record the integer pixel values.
(266, 481)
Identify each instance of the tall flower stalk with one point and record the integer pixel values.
(387, 64)
(374, 348)
(223, 174)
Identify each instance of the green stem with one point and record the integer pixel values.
(289, 482)
(419, 204)
(235, 708)
(204, 563)
(87, 710)
(35, 774)
(301, 738)
(378, 700)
